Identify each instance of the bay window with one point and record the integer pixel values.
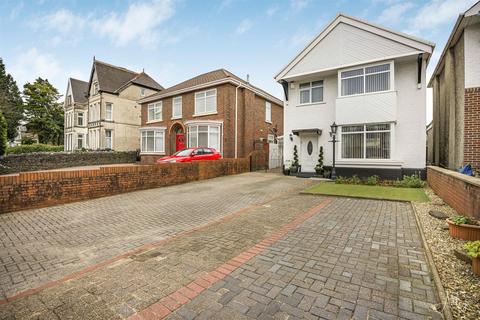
(311, 92)
(365, 80)
(155, 111)
(204, 135)
(366, 141)
(153, 141)
(206, 102)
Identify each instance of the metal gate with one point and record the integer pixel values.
(275, 154)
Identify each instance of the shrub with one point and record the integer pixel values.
(413, 181)
(37, 147)
(473, 248)
(372, 180)
(3, 135)
(341, 180)
(462, 220)
(28, 140)
(355, 180)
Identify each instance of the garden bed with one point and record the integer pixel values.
(462, 287)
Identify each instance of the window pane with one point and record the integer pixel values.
(214, 138)
(377, 82)
(192, 137)
(380, 68)
(158, 141)
(378, 145)
(352, 128)
(203, 139)
(352, 146)
(200, 104)
(211, 93)
(305, 96)
(317, 83)
(305, 85)
(317, 94)
(352, 86)
(150, 141)
(377, 127)
(352, 73)
(211, 104)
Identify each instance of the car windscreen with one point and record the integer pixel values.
(183, 153)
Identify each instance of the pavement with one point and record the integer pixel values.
(240, 247)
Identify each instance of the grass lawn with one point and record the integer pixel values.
(372, 192)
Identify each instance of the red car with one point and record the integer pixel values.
(192, 154)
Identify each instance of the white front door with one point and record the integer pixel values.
(308, 152)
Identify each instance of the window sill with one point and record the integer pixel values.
(369, 162)
(310, 104)
(176, 118)
(269, 122)
(365, 94)
(152, 153)
(154, 121)
(204, 114)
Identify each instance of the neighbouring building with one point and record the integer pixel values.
(370, 81)
(456, 96)
(217, 110)
(429, 144)
(23, 134)
(103, 113)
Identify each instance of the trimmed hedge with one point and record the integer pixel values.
(36, 147)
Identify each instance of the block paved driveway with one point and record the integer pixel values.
(267, 252)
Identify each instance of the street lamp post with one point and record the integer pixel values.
(333, 134)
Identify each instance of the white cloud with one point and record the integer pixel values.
(62, 21)
(140, 23)
(395, 13)
(436, 13)
(244, 26)
(16, 10)
(298, 5)
(272, 10)
(32, 64)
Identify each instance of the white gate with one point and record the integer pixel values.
(275, 155)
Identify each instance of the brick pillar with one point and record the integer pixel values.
(472, 128)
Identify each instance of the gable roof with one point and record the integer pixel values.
(463, 20)
(209, 79)
(79, 90)
(113, 78)
(399, 37)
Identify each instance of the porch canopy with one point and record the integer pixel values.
(311, 130)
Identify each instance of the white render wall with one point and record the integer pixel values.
(409, 131)
(472, 56)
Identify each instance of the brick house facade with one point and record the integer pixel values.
(174, 114)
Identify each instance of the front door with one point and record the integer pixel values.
(308, 152)
(180, 142)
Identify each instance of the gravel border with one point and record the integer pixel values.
(462, 287)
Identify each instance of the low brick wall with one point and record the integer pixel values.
(45, 188)
(459, 191)
(13, 163)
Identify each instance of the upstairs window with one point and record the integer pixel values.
(268, 112)
(142, 92)
(365, 80)
(177, 108)
(69, 100)
(155, 111)
(206, 102)
(311, 92)
(109, 111)
(80, 119)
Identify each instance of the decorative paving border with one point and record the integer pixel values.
(138, 250)
(184, 295)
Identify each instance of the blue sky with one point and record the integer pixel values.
(178, 39)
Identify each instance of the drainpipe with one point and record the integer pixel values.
(236, 120)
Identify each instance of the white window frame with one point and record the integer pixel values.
(157, 131)
(81, 137)
(142, 92)
(392, 82)
(107, 104)
(204, 93)
(111, 139)
(209, 125)
(310, 92)
(268, 112)
(82, 117)
(365, 159)
(174, 101)
(156, 105)
(95, 87)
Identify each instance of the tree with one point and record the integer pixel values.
(11, 104)
(3, 135)
(43, 111)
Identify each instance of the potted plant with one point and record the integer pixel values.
(319, 166)
(295, 165)
(464, 228)
(473, 250)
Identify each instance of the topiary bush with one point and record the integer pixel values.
(36, 147)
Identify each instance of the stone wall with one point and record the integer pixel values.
(459, 191)
(45, 188)
(14, 163)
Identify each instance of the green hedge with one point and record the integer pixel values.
(37, 147)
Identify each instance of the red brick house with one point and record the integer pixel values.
(216, 109)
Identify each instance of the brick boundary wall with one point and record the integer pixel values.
(45, 188)
(472, 128)
(459, 191)
(13, 163)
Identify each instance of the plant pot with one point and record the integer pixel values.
(467, 232)
(293, 169)
(476, 266)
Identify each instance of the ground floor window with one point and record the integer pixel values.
(366, 141)
(80, 141)
(108, 139)
(153, 141)
(204, 135)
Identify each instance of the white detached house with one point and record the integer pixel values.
(370, 81)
